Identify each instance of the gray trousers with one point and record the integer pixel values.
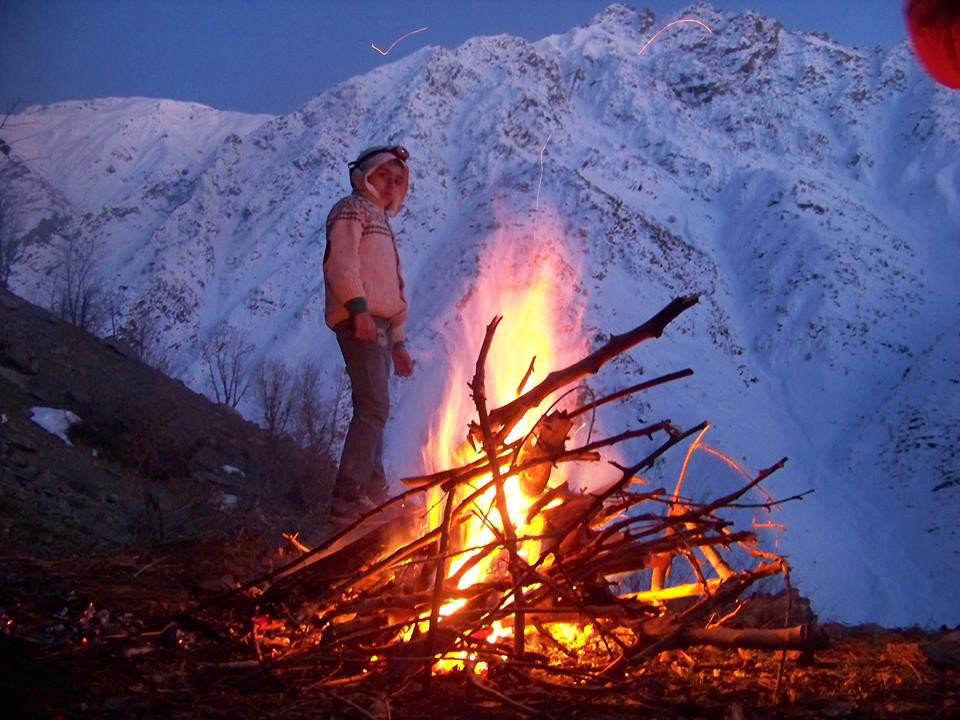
(368, 366)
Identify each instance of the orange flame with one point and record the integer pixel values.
(532, 286)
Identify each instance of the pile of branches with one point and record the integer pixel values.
(370, 602)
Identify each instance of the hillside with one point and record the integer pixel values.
(146, 462)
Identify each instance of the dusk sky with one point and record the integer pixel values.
(272, 56)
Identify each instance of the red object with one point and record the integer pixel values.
(934, 27)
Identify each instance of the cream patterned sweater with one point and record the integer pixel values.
(361, 265)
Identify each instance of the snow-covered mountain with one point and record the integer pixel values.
(809, 191)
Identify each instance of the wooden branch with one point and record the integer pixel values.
(674, 592)
(697, 570)
(316, 578)
(671, 629)
(300, 562)
(397, 556)
(472, 674)
(644, 432)
(730, 589)
(490, 445)
(662, 522)
(799, 637)
(634, 555)
(737, 494)
(526, 375)
(627, 475)
(441, 573)
(471, 470)
(503, 419)
(719, 565)
(639, 387)
(570, 591)
(573, 453)
(598, 502)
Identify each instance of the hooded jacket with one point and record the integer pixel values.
(361, 265)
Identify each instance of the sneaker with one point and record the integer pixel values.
(344, 512)
(378, 495)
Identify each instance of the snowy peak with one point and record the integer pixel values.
(94, 150)
(621, 20)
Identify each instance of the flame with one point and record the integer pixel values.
(532, 286)
(569, 635)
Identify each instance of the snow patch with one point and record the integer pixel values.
(54, 421)
(228, 502)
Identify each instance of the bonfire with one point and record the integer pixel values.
(503, 564)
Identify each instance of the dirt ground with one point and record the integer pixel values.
(97, 637)
(108, 544)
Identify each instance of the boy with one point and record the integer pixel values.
(366, 307)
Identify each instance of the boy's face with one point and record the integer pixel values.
(388, 181)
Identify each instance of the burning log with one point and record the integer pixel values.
(490, 446)
(548, 438)
(328, 571)
(395, 596)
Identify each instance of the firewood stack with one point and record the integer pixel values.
(387, 598)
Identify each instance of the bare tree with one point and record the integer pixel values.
(78, 295)
(272, 384)
(309, 418)
(11, 106)
(294, 402)
(339, 414)
(318, 422)
(137, 330)
(144, 333)
(11, 246)
(14, 242)
(227, 358)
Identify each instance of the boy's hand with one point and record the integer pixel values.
(402, 362)
(364, 329)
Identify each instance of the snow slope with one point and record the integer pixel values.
(809, 191)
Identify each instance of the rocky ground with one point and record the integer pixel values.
(94, 637)
(163, 500)
(149, 460)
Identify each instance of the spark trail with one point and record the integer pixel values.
(394, 43)
(670, 25)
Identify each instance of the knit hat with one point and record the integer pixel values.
(368, 161)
